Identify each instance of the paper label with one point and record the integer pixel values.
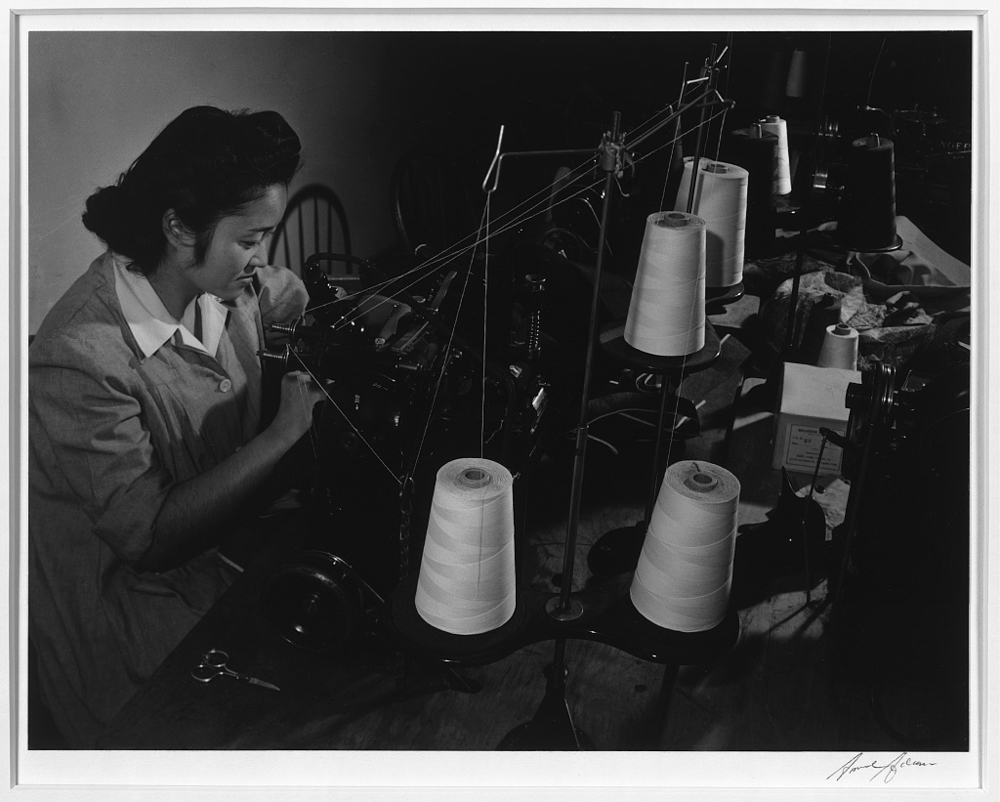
(803, 449)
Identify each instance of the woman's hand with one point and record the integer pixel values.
(196, 509)
(299, 394)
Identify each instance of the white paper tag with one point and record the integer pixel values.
(803, 449)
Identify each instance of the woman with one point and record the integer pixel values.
(145, 436)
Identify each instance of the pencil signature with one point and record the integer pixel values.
(887, 771)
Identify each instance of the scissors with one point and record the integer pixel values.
(214, 664)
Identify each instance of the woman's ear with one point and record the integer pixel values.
(177, 234)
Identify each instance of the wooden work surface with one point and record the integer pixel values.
(375, 695)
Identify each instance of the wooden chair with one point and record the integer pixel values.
(314, 222)
(430, 205)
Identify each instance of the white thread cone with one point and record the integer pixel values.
(795, 86)
(666, 314)
(774, 124)
(685, 570)
(468, 578)
(720, 199)
(840, 348)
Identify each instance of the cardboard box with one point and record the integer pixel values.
(811, 397)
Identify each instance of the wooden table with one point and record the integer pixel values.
(406, 686)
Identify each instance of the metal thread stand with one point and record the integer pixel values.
(552, 725)
(620, 546)
(618, 550)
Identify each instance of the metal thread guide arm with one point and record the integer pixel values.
(610, 162)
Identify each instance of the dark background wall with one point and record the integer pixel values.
(361, 99)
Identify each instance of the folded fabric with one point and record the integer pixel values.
(918, 262)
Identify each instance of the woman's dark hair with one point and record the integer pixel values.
(205, 165)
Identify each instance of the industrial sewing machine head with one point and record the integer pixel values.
(409, 386)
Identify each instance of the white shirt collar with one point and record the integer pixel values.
(151, 323)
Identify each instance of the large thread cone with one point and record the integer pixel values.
(666, 315)
(467, 579)
(720, 199)
(685, 571)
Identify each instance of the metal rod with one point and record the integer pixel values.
(700, 98)
(708, 71)
(497, 163)
(680, 101)
(609, 161)
(654, 482)
(793, 298)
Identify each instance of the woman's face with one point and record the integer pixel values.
(237, 247)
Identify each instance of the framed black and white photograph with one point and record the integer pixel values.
(466, 401)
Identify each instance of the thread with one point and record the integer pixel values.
(840, 348)
(720, 199)
(467, 579)
(775, 125)
(666, 313)
(757, 151)
(868, 210)
(685, 570)
(795, 86)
